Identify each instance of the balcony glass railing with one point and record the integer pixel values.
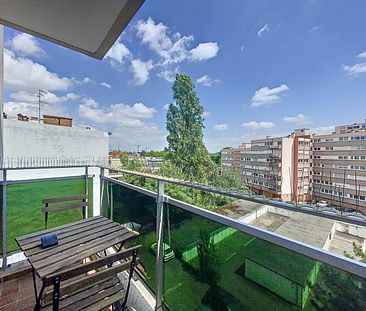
(195, 259)
(211, 262)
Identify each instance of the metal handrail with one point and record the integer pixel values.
(306, 209)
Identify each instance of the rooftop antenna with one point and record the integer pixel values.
(40, 94)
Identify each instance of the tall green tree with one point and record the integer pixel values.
(208, 260)
(185, 127)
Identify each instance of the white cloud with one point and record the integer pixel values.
(173, 48)
(166, 106)
(315, 28)
(121, 114)
(23, 74)
(242, 48)
(206, 80)
(298, 119)
(118, 54)
(358, 68)
(355, 70)
(12, 108)
(254, 125)
(48, 97)
(156, 36)
(262, 30)
(146, 135)
(322, 130)
(129, 124)
(362, 55)
(204, 51)
(168, 75)
(206, 113)
(26, 45)
(140, 71)
(267, 96)
(105, 84)
(221, 127)
(88, 80)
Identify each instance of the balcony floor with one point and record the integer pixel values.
(17, 294)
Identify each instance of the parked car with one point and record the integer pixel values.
(312, 202)
(322, 204)
(345, 209)
(167, 251)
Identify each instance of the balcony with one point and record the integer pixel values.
(262, 244)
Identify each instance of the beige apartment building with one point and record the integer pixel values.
(277, 167)
(339, 166)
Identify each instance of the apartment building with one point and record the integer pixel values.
(231, 156)
(339, 166)
(277, 167)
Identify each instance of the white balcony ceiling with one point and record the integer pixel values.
(87, 26)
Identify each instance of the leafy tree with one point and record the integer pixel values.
(185, 127)
(208, 260)
(133, 164)
(154, 153)
(358, 252)
(216, 157)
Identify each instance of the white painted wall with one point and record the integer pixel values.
(286, 169)
(28, 144)
(351, 229)
(39, 141)
(248, 218)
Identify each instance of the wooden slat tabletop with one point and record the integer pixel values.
(76, 241)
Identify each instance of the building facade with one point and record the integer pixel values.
(300, 167)
(339, 166)
(277, 167)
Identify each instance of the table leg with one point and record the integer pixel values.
(35, 285)
(37, 296)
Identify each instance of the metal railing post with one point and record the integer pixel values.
(111, 199)
(4, 221)
(86, 189)
(159, 245)
(101, 181)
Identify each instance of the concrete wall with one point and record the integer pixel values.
(274, 282)
(330, 237)
(139, 296)
(248, 218)
(287, 168)
(28, 144)
(351, 229)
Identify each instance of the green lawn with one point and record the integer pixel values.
(24, 207)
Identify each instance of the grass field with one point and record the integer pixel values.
(24, 207)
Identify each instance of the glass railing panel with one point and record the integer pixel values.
(136, 211)
(210, 266)
(24, 206)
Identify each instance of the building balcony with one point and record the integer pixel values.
(255, 241)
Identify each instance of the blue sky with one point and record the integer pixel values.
(260, 68)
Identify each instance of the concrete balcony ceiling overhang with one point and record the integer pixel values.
(87, 26)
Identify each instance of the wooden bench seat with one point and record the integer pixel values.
(63, 204)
